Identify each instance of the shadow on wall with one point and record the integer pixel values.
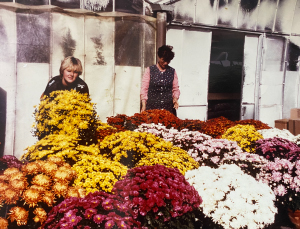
(2, 120)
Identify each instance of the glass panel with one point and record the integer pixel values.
(68, 39)
(274, 54)
(284, 18)
(99, 63)
(206, 12)
(33, 37)
(132, 6)
(128, 42)
(266, 15)
(183, 13)
(296, 27)
(71, 4)
(149, 43)
(247, 15)
(227, 12)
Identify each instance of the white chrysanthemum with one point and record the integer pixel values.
(232, 198)
(274, 132)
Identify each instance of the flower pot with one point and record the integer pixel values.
(295, 217)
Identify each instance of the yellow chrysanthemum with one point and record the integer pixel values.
(244, 135)
(176, 158)
(129, 147)
(96, 173)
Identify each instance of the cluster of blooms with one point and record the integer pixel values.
(232, 198)
(256, 123)
(272, 148)
(154, 116)
(117, 121)
(9, 161)
(244, 135)
(96, 173)
(274, 132)
(105, 130)
(176, 158)
(215, 127)
(216, 152)
(191, 124)
(67, 112)
(35, 188)
(282, 175)
(96, 210)
(64, 146)
(156, 195)
(184, 139)
(129, 147)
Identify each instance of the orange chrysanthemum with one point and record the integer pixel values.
(18, 214)
(17, 176)
(63, 174)
(3, 177)
(49, 168)
(3, 186)
(32, 197)
(40, 215)
(41, 189)
(41, 180)
(31, 168)
(57, 160)
(60, 189)
(48, 198)
(3, 223)
(18, 185)
(8, 172)
(10, 196)
(72, 192)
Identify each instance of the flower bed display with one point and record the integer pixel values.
(82, 173)
(233, 199)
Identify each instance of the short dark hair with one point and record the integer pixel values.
(166, 53)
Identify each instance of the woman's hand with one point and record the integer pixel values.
(175, 102)
(143, 105)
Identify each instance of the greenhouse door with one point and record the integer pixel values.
(225, 75)
(192, 52)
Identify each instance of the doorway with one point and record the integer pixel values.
(225, 75)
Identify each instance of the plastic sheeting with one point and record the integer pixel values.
(258, 15)
(34, 41)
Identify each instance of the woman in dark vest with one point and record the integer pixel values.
(160, 88)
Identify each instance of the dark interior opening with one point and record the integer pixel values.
(2, 120)
(225, 75)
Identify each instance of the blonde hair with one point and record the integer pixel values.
(71, 62)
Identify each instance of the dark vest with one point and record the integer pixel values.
(160, 95)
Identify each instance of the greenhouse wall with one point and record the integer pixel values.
(35, 39)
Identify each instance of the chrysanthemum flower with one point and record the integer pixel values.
(18, 214)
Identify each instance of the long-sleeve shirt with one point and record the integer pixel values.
(145, 85)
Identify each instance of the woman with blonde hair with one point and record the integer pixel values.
(70, 70)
